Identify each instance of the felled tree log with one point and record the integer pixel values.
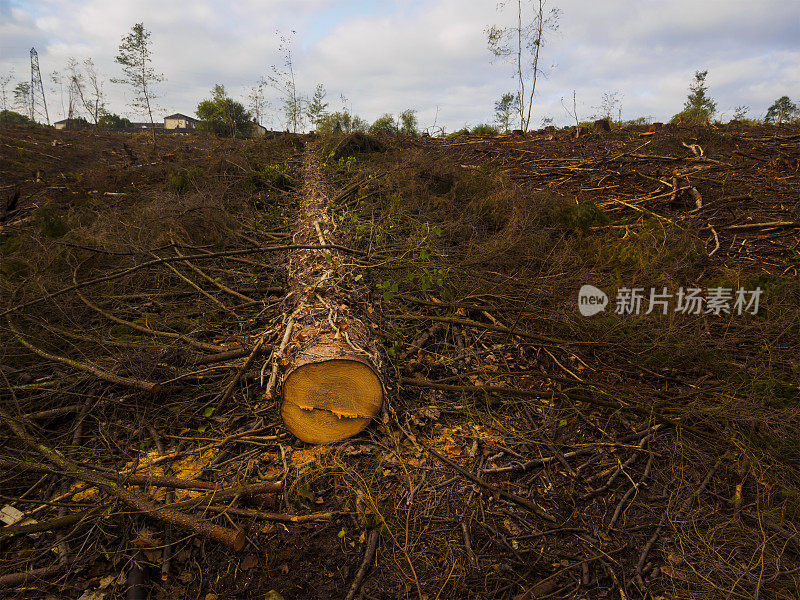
(332, 384)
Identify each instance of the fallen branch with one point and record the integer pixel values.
(170, 259)
(528, 505)
(270, 516)
(146, 386)
(369, 554)
(231, 538)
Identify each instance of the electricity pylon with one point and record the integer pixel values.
(37, 89)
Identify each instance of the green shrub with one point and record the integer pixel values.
(50, 223)
(485, 129)
(9, 245)
(179, 181)
(14, 269)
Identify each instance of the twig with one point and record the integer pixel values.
(369, 554)
(687, 503)
(529, 505)
(238, 376)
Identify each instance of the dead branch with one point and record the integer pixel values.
(528, 505)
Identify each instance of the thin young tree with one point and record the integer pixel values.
(256, 102)
(22, 97)
(93, 99)
(315, 109)
(699, 107)
(610, 103)
(74, 87)
(58, 79)
(4, 81)
(522, 44)
(135, 57)
(283, 81)
(504, 108)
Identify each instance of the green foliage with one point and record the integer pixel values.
(276, 176)
(347, 164)
(580, 216)
(340, 122)
(699, 108)
(179, 181)
(9, 245)
(521, 45)
(408, 122)
(76, 123)
(9, 117)
(14, 269)
(504, 108)
(22, 96)
(384, 124)
(463, 131)
(315, 110)
(223, 116)
(782, 110)
(638, 121)
(740, 113)
(50, 223)
(113, 121)
(484, 129)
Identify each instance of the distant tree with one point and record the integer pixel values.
(256, 101)
(91, 92)
(522, 44)
(485, 130)
(315, 109)
(58, 80)
(22, 97)
(384, 124)
(782, 109)
(341, 121)
(283, 81)
(572, 112)
(699, 108)
(224, 116)
(504, 108)
(9, 117)
(409, 125)
(740, 113)
(74, 87)
(610, 102)
(4, 81)
(111, 121)
(135, 57)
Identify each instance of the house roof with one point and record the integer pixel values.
(181, 116)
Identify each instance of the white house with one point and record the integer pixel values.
(179, 121)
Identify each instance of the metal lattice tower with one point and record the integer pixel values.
(37, 89)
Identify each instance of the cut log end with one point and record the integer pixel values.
(330, 400)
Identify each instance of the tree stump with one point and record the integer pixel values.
(332, 385)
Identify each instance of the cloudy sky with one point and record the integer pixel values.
(430, 55)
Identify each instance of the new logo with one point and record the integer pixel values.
(591, 300)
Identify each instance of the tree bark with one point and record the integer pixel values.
(332, 385)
